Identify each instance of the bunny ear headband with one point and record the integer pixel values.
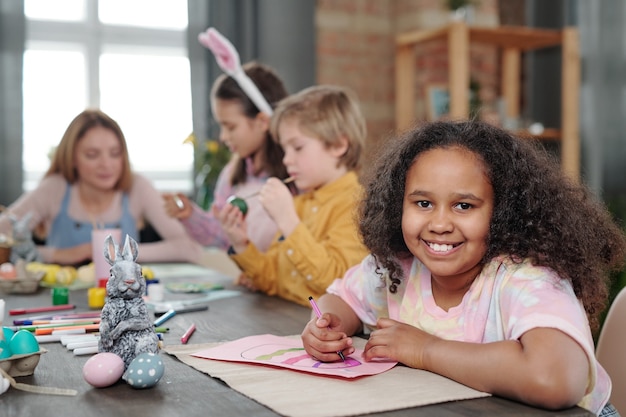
(228, 59)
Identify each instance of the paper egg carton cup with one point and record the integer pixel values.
(26, 282)
(21, 365)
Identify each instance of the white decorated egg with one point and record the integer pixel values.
(144, 371)
(103, 369)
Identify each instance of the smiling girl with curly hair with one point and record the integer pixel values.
(480, 248)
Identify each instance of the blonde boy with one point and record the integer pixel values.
(322, 132)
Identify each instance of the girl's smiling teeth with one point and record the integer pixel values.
(440, 247)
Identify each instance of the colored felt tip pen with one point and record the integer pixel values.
(188, 309)
(318, 313)
(185, 337)
(17, 311)
(165, 317)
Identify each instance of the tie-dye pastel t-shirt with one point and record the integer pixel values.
(506, 300)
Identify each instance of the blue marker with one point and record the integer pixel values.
(165, 317)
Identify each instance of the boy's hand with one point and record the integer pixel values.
(234, 225)
(322, 342)
(246, 282)
(278, 202)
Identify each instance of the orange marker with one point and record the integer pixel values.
(49, 330)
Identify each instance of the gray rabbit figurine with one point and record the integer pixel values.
(23, 245)
(125, 326)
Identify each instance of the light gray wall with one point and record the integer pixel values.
(602, 32)
(278, 33)
(603, 100)
(286, 40)
(12, 35)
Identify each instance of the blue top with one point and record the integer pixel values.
(66, 232)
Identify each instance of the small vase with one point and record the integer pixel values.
(204, 193)
(204, 198)
(463, 14)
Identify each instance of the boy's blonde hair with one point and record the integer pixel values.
(328, 113)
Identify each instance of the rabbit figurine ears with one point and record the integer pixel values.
(112, 252)
(21, 226)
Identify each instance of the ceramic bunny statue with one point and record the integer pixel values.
(23, 245)
(125, 327)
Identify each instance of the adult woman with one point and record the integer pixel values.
(90, 184)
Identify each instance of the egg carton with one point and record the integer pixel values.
(21, 365)
(26, 282)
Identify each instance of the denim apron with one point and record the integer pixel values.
(66, 232)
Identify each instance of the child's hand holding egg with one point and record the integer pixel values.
(238, 202)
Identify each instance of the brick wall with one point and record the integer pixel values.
(356, 48)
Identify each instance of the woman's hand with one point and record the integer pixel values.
(322, 341)
(177, 206)
(399, 342)
(72, 256)
(234, 225)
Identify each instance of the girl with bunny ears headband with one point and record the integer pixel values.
(241, 102)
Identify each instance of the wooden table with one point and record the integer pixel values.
(184, 391)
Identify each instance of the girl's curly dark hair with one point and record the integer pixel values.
(539, 213)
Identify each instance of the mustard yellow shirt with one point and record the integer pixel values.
(322, 248)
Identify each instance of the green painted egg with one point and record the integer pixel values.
(238, 202)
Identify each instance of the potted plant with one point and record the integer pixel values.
(210, 157)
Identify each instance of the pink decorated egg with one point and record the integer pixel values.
(103, 369)
(8, 271)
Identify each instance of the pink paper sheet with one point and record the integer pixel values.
(287, 352)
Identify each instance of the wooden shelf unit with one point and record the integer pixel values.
(514, 41)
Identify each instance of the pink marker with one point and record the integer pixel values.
(17, 311)
(185, 337)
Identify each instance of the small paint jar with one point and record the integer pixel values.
(96, 296)
(156, 292)
(60, 295)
